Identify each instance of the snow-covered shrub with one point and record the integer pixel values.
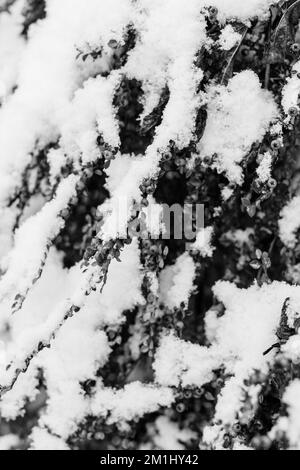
(113, 342)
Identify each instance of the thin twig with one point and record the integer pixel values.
(233, 55)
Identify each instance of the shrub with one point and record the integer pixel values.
(149, 342)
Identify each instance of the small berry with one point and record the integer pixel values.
(295, 47)
(276, 144)
(180, 407)
(187, 394)
(199, 392)
(272, 183)
(213, 11)
(150, 298)
(113, 44)
(255, 264)
(237, 427)
(293, 111)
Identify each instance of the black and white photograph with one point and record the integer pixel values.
(149, 228)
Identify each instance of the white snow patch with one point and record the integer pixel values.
(238, 116)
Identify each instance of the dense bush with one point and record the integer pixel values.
(144, 342)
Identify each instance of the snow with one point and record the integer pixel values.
(245, 331)
(179, 361)
(11, 49)
(121, 404)
(238, 115)
(55, 102)
(9, 441)
(168, 436)
(43, 440)
(289, 222)
(291, 91)
(168, 45)
(6, 231)
(211, 325)
(238, 341)
(227, 192)
(229, 38)
(56, 160)
(291, 349)
(49, 69)
(290, 425)
(65, 365)
(264, 168)
(89, 114)
(153, 218)
(176, 282)
(24, 261)
(203, 242)
(241, 10)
